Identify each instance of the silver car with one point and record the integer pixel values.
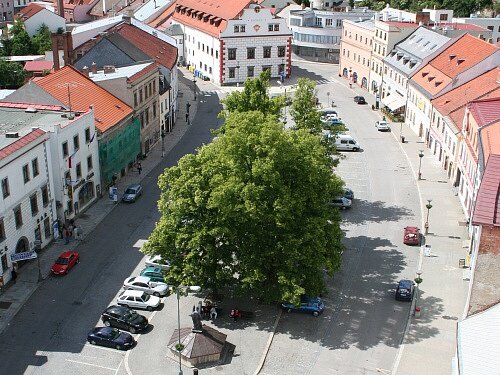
(132, 192)
(145, 284)
(341, 202)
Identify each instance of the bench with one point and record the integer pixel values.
(245, 314)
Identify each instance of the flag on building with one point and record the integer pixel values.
(71, 157)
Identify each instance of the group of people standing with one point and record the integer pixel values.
(70, 231)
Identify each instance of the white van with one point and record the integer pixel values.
(345, 142)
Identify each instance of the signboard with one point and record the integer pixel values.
(23, 256)
(113, 194)
(55, 229)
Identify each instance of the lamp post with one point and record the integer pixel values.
(162, 142)
(194, 87)
(327, 98)
(418, 280)
(238, 73)
(420, 155)
(38, 248)
(350, 77)
(428, 206)
(178, 290)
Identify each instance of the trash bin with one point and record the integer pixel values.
(417, 311)
(402, 139)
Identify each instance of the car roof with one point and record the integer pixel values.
(134, 186)
(411, 229)
(135, 293)
(117, 309)
(142, 279)
(152, 268)
(405, 283)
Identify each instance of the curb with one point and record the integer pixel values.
(268, 345)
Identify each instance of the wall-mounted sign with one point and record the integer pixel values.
(23, 256)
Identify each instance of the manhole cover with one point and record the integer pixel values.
(5, 305)
(447, 317)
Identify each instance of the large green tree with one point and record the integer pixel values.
(21, 41)
(12, 74)
(303, 110)
(41, 41)
(251, 210)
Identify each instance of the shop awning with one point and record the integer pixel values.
(393, 102)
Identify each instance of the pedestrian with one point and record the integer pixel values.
(71, 229)
(200, 306)
(139, 167)
(77, 232)
(213, 313)
(66, 235)
(13, 275)
(187, 117)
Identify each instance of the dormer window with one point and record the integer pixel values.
(239, 28)
(451, 57)
(424, 74)
(459, 61)
(437, 83)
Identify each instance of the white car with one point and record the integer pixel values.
(145, 284)
(382, 126)
(138, 300)
(157, 261)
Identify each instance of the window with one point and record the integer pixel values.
(140, 96)
(76, 142)
(45, 196)
(90, 166)
(266, 67)
(267, 52)
(242, 28)
(2, 230)
(65, 149)
(210, 70)
(281, 51)
(5, 187)
(34, 167)
(276, 27)
(339, 22)
(87, 131)
(231, 72)
(154, 110)
(444, 17)
(328, 22)
(239, 28)
(34, 205)
(231, 54)
(319, 22)
(216, 54)
(251, 53)
(211, 51)
(250, 71)
(18, 217)
(26, 173)
(79, 170)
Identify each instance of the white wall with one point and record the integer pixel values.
(53, 21)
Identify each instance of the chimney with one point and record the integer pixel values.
(85, 71)
(109, 69)
(55, 51)
(60, 8)
(93, 68)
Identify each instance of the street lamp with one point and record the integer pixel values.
(238, 69)
(428, 206)
(327, 98)
(418, 280)
(194, 87)
(38, 248)
(178, 290)
(420, 155)
(162, 143)
(350, 77)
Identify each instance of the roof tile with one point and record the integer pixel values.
(21, 142)
(29, 11)
(487, 208)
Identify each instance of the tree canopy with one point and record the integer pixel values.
(461, 8)
(41, 41)
(251, 210)
(12, 74)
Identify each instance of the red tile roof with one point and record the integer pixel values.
(21, 142)
(402, 24)
(487, 208)
(162, 52)
(214, 14)
(151, 67)
(29, 105)
(485, 111)
(462, 26)
(29, 11)
(460, 56)
(108, 109)
(490, 140)
(38, 65)
(162, 21)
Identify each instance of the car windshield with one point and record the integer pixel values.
(130, 191)
(131, 315)
(114, 334)
(145, 297)
(62, 261)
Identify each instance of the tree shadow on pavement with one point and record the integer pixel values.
(431, 309)
(365, 212)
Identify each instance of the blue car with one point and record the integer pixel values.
(154, 273)
(111, 337)
(308, 305)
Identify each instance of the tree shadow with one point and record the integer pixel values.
(364, 212)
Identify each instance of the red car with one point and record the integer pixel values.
(65, 262)
(411, 236)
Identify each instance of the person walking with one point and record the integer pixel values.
(187, 117)
(213, 313)
(139, 167)
(66, 235)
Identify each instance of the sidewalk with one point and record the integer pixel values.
(14, 295)
(430, 340)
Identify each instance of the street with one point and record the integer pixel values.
(359, 332)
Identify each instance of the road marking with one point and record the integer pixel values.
(119, 365)
(91, 364)
(101, 348)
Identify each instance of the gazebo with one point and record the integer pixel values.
(198, 346)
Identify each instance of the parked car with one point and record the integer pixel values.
(308, 305)
(145, 284)
(411, 236)
(154, 273)
(349, 194)
(359, 100)
(341, 202)
(382, 126)
(65, 262)
(344, 142)
(111, 337)
(157, 261)
(124, 318)
(328, 111)
(132, 192)
(405, 290)
(138, 300)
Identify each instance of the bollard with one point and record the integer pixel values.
(195, 371)
(417, 312)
